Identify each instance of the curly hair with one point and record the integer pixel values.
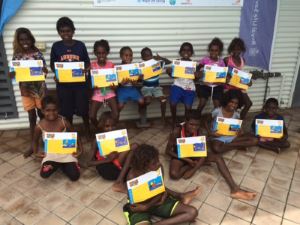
(143, 155)
(123, 49)
(193, 115)
(236, 42)
(64, 22)
(102, 43)
(144, 50)
(271, 100)
(217, 42)
(17, 48)
(48, 100)
(104, 117)
(232, 94)
(186, 44)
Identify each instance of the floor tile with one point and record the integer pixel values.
(262, 217)
(5, 168)
(231, 220)
(53, 200)
(282, 182)
(292, 213)
(116, 215)
(103, 204)
(86, 217)
(12, 176)
(106, 222)
(294, 199)
(295, 186)
(275, 192)
(31, 214)
(218, 200)
(241, 210)
(271, 205)
(51, 219)
(86, 196)
(210, 215)
(68, 209)
(253, 184)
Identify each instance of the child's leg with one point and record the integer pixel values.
(176, 95)
(189, 173)
(71, 169)
(275, 145)
(40, 114)
(48, 168)
(32, 123)
(81, 98)
(113, 105)
(178, 168)
(203, 92)
(217, 95)
(108, 171)
(66, 102)
(95, 106)
(247, 105)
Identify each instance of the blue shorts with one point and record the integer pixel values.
(128, 93)
(180, 95)
(225, 139)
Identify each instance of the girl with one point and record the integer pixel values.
(183, 90)
(52, 122)
(31, 92)
(235, 50)
(204, 91)
(230, 103)
(102, 95)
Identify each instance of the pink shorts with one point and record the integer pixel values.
(99, 97)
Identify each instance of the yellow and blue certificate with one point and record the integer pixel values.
(112, 141)
(145, 186)
(151, 68)
(191, 147)
(104, 77)
(69, 72)
(214, 74)
(60, 142)
(183, 69)
(128, 71)
(269, 128)
(28, 70)
(240, 79)
(227, 126)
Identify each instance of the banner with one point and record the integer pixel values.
(257, 24)
(173, 3)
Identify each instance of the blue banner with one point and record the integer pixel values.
(257, 30)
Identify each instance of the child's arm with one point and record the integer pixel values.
(169, 71)
(285, 133)
(226, 61)
(158, 57)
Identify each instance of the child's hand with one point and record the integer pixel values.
(40, 155)
(169, 71)
(191, 162)
(75, 154)
(113, 155)
(12, 74)
(113, 86)
(228, 77)
(157, 57)
(55, 79)
(125, 81)
(197, 75)
(138, 207)
(162, 198)
(250, 83)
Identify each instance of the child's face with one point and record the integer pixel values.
(109, 125)
(271, 109)
(147, 55)
(66, 33)
(237, 51)
(127, 56)
(101, 54)
(50, 112)
(232, 105)
(214, 52)
(25, 41)
(192, 126)
(153, 165)
(186, 53)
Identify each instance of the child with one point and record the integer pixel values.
(173, 207)
(151, 86)
(230, 102)
(270, 112)
(183, 90)
(235, 50)
(52, 122)
(73, 97)
(186, 167)
(31, 92)
(205, 90)
(106, 94)
(127, 90)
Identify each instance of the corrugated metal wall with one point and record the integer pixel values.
(163, 30)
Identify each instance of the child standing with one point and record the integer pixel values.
(204, 91)
(187, 167)
(106, 94)
(235, 49)
(73, 97)
(173, 207)
(31, 92)
(230, 102)
(52, 122)
(269, 112)
(183, 90)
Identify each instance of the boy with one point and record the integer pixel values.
(73, 97)
(166, 204)
(186, 167)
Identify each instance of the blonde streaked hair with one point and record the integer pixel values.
(17, 48)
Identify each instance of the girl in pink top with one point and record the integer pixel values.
(235, 60)
(102, 95)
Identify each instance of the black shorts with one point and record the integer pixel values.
(204, 91)
(108, 171)
(73, 99)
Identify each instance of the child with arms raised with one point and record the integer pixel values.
(187, 167)
(31, 92)
(52, 122)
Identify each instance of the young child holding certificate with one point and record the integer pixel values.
(105, 94)
(270, 113)
(223, 143)
(73, 97)
(173, 207)
(32, 92)
(53, 122)
(186, 167)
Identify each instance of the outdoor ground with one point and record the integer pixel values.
(26, 198)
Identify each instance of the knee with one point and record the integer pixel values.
(74, 176)
(147, 100)
(254, 141)
(32, 116)
(216, 148)
(192, 213)
(45, 175)
(174, 175)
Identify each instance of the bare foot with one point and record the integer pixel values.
(119, 187)
(189, 196)
(245, 195)
(188, 174)
(28, 153)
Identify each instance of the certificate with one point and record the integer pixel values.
(151, 68)
(269, 128)
(183, 69)
(128, 71)
(28, 70)
(214, 74)
(104, 77)
(69, 72)
(191, 147)
(240, 79)
(112, 141)
(227, 126)
(60, 142)
(145, 186)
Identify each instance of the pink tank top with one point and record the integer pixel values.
(232, 64)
